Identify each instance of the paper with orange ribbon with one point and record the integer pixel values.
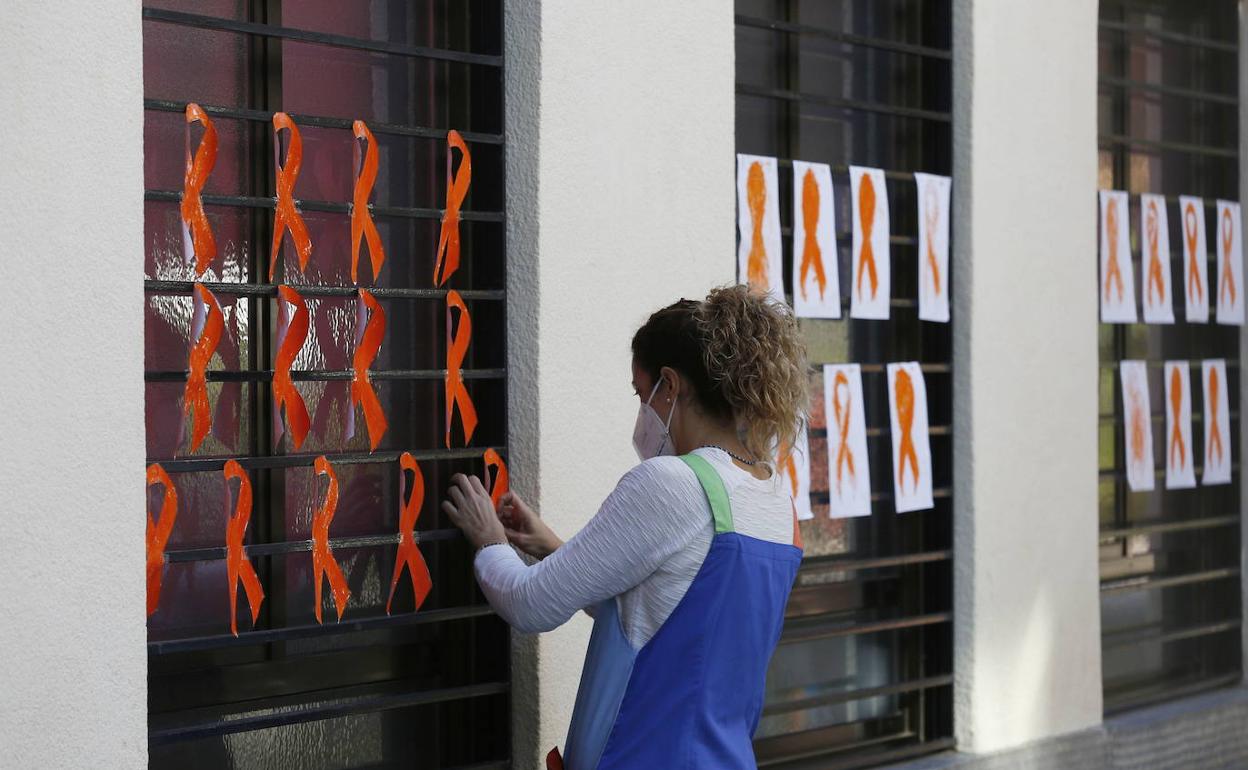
(1195, 258)
(286, 216)
(1157, 298)
(793, 465)
(759, 252)
(1180, 460)
(207, 325)
(158, 532)
(1117, 271)
(816, 279)
(198, 243)
(457, 185)
(456, 350)
(912, 452)
(871, 269)
(1230, 299)
(238, 567)
(1217, 423)
(370, 329)
(408, 554)
(324, 565)
(363, 228)
(1137, 425)
(849, 467)
(291, 333)
(933, 209)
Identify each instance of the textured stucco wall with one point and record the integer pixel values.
(1027, 633)
(620, 200)
(73, 692)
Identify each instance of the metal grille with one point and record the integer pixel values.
(428, 687)
(864, 670)
(1168, 124)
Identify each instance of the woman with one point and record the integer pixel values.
(688, 564)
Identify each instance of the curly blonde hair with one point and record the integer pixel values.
(742, 353)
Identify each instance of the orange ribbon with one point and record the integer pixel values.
(866, 216)
(362, 224)
(237, 566)
(812, 255)
(931, 215)
(365, 353)
(408, 554)
(1228, 240)
(158, 532)
(756, 195)
(323, 562)
(1113, 274)
(456, 349)
(1155, 277)
(1215, 436)
(1195, 290)
(1138, 424)
(903, 390)
(289, 344)
(286, 216)
(1176, 408)
(788, 467)
(197, 171)
(844, 455)
(499, 487)
(195, 394)
(456, 190)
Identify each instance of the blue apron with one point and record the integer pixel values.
(692, 695)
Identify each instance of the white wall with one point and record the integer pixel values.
(73, 690)
(1027, 633)
(620, 143)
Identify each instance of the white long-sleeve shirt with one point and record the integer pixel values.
(645, 546)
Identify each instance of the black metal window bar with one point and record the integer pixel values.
(1169, 559)
(864, 671)
(427, 688)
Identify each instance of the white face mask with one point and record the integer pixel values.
(651, 437)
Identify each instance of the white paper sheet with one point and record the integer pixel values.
(1195, 259)
(1217, 423)
(933, 197)
(1180, 463)
(1137, 425)
(816, 280)
(869, 273)
(1156, 296)
(758, 222)
(794, 469)
(912, 453)
(1117, 272)
(1230, 281)
(849, 469)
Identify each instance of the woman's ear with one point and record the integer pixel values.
(672, 384)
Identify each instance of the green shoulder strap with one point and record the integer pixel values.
(716, 494)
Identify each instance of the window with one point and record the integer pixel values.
(372, 689)
(1168, 124)
(863, 672)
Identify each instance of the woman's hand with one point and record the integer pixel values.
(525, 529)
(471, 509)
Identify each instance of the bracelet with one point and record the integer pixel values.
(483, 546)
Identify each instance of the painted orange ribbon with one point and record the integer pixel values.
(931, 216)
(812, 255)
(456, 350)
(1215, 436)
(499, 486)
(158, 532)
(1138, 418)
(1155, 277)
(844, 455)
(788, 467)
(1113, 274)
(456, 190)
(323, 562)
(366, 349)
(289, 344)
(903, 390)
(286, 216)
(1176, 408)
(362, 224)
(196, 176)
(195, 394)
(866, 216)
(408, 554)
(237, 566)
(1195, 290)
(1228, 240)
(756, 195)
